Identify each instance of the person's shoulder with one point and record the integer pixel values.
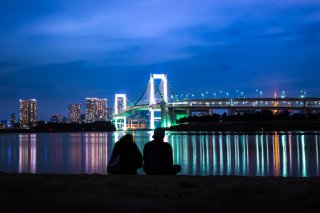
(148, 143)
(117, 144)
(166, 144)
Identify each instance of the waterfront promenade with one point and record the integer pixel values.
(110, 193)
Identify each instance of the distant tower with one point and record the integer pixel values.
(275, 103)
(96, 110)
(28, 113)
(13, 120)
(74, 113)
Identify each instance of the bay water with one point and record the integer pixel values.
(276, 154)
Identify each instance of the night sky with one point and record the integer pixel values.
(62, 51)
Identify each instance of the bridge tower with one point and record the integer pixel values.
(163, 91)
(120, 104)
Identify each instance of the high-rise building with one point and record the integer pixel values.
(74, 113)
(13, 120)
(96, 110)
(28, 113)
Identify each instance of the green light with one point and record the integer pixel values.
(228, 155)
(304, 162)
(214, 150)
(290, 152)
(244, 154)
(179, 116)
(298, 155)
(237, 157)
(262, 156)
(221, 154)
(202, 154)
(257, 157)
(194, 154)
(317, 154)
(284, 154)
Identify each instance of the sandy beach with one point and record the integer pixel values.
(113, 193)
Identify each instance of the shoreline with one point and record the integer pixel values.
(141, 193)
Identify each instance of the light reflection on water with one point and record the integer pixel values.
(277, 154)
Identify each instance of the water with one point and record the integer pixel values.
(285, 154)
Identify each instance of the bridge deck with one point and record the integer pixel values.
(238, 103)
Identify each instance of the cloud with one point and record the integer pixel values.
(159, 31)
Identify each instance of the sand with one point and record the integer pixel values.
(114, 193)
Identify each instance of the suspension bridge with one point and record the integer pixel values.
(159, 106)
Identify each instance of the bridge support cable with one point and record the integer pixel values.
(142, 95)
(172, 91)
(159, 91)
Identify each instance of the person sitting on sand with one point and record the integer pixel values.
(157, 156)
(129, 156)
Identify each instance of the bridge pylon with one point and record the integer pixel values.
(163, 91)
(120, 104)
(154, 99)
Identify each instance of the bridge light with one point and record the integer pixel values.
(303, 94)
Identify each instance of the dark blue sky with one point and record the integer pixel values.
(60, 52)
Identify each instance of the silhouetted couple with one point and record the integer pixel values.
(157, 156)
(126, 157)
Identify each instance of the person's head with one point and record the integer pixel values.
(127, 138)
(159, 133)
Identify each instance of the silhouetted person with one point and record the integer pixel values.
(130, 156)
(157, 156)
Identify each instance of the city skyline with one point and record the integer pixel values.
(61, 52)
(74, 111)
